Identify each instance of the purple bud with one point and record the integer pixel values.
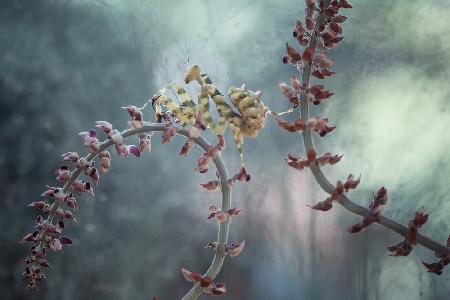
(134, 150)
(92, 133)
(65, 240)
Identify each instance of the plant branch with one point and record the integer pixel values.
(222, 238)
(322, 179)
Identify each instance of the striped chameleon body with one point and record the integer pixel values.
(246, 122)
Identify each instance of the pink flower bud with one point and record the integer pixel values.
(69, 215)
(38, 204)
(82, 186)
(203, 163)
(217, 289)
(28, 238)
(60, 213)
(59, 226)
(168, 134)
(72, 202)
(90, 141)
(105, 126)
(236, 249)
(62, 174)
(105, 161)
(191, 276)
(296, 84)
(221, 216)
(70, 156)
(55, 245)
(210, 185)
(145, 143)
(38, 252)
(78, 187)
(93, 173)
(49, 228)
(242, 175)
(50, 192)
(351, 183)
(116, 137)
(234, 211)
(135, 113)
(212, 246)
(186, 147)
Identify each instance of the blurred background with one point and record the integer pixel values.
(66, 64)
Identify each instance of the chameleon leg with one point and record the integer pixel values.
(238, 137)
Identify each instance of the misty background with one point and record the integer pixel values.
(66, 64)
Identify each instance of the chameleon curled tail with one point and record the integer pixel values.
(247, 121)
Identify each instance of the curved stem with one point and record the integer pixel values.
(222, 237)
(322, 179)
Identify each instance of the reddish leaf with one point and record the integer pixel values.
(236, 249)
(325, 205)
(293, 53)
(351, 183)
(344, 4)
(299, 29)
(335, 27)
(400, 249)
(434, 267)
(308, 54)
(327, 158)
(339, 19)
(316, 73)
(210, 185)
(321, 60)
(379, 199)
(297, 162)
(191, 276)
(186, 147)
(288, 92)
(298, 125)
(168, 134)
(242, 175)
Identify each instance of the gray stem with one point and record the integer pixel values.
(222, 238)
(322, 179)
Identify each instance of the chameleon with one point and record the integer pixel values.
(246, 115)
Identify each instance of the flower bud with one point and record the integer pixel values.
(145, 143)
(70, 156)
(105, 126)
(62, 174)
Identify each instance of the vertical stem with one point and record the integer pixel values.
(323, 181)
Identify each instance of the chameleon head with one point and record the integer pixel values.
(251, 108)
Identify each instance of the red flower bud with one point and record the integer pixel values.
(168, 134)
(293, 53)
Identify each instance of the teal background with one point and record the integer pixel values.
(66, 64)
